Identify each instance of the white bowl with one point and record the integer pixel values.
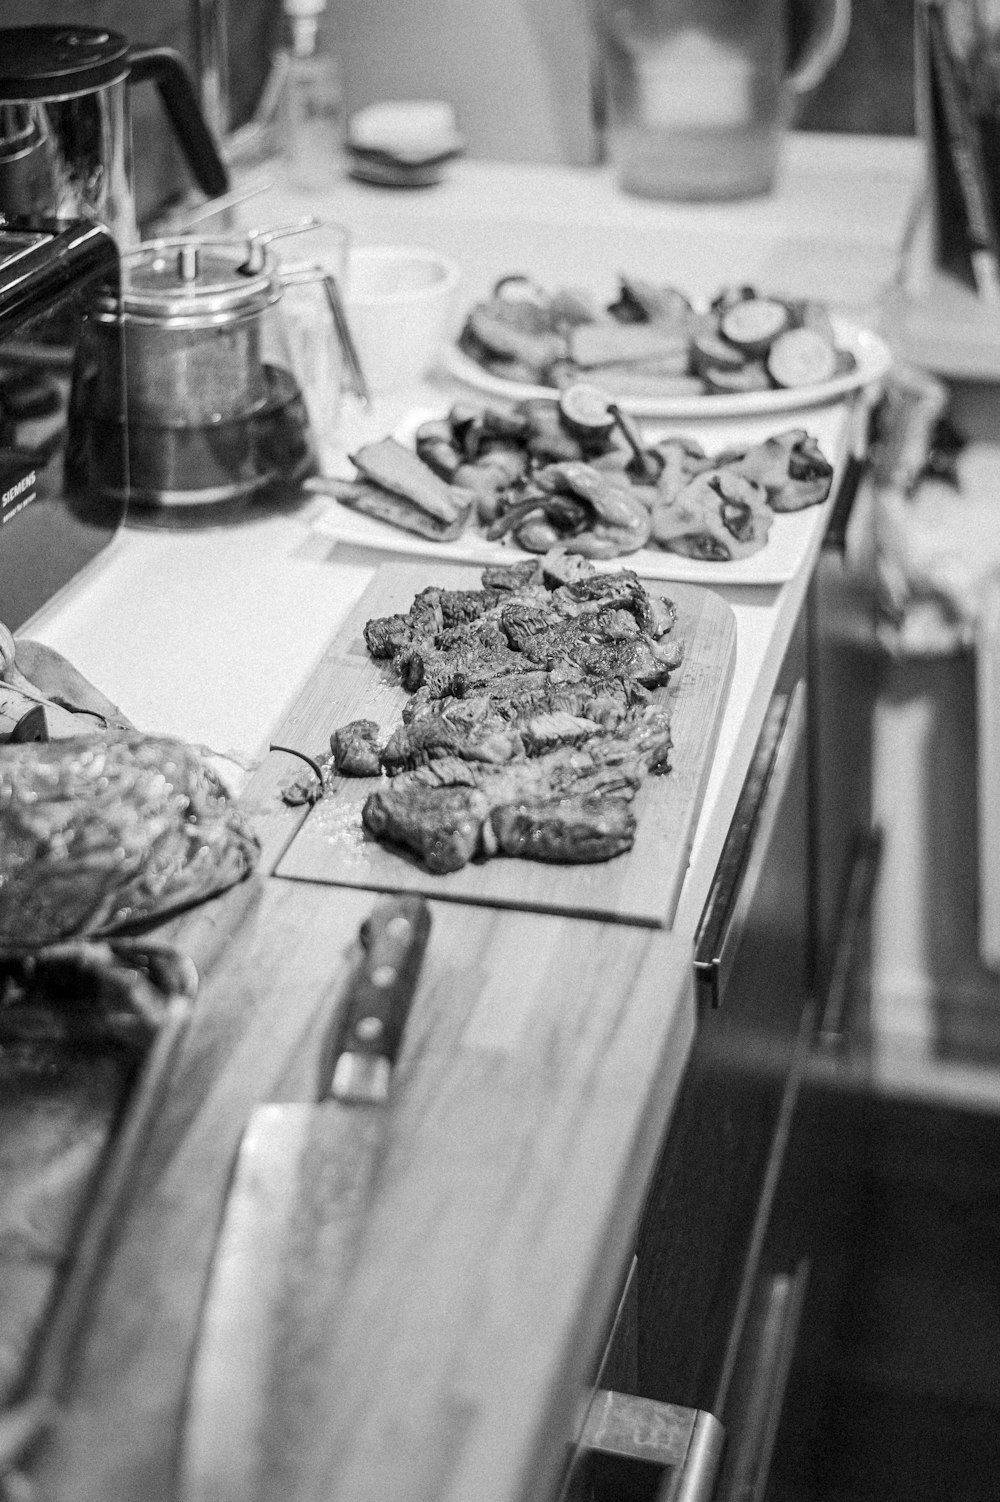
(401, 305)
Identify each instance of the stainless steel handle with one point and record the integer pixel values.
(861, 881)
(988, 748)
(696, 1478)
(686, 1442)
(759, 1389)
(856, 468)
(835, 536)
(723, 921)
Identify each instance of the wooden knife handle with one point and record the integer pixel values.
(380, 992)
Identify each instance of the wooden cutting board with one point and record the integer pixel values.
(446, 1359)
(639, 887)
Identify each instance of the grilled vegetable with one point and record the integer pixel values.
(750, 376)
(595, 344)
(649, 341)
(584, 409)
(801, 357)
(396, 468)
(752, 324)
(718, 515)
(709, 352)
(385, 506)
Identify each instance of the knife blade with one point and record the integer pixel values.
(302, 1179)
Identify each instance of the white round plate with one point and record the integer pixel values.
(872, 359)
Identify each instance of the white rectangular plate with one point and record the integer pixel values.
(789, 544)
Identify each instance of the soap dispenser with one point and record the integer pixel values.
(312, 119)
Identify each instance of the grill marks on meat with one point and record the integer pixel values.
(356, 749)
(583, 830)
(529, 728)
(569, 795)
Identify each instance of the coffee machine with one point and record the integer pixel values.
(54, 521)
(65, 124)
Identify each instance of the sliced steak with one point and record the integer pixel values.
(356, 749)
(574, 830)
(440, 825)
(439, 811)
(529, 728)
(433, 737)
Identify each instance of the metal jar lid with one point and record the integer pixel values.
(194, 282)
(45, 62)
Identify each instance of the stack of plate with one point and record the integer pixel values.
(402, 144)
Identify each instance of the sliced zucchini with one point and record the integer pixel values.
(801, 357)
(584, 410)
(751, 376)
(754, 324)
(710, 352)
(520, 288)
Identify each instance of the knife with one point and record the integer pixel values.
(301, 1184)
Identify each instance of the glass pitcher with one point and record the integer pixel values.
(699, 92)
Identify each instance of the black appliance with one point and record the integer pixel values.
(65, 124)
(53, 521)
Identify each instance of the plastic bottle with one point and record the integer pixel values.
(313, 103)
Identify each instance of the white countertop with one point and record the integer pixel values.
(209, 634)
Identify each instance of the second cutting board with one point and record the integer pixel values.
(641, 886)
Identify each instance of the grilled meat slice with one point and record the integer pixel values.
(554, 727)
(356, 749)
(605, 645)
(605, 701)
(510, 577)
(386, 635)
(440, 825)
(489, 737)
(596, 593)
(433, 611)
(605, 625)
(433, 737)
(529, 728)
(463, 666)
(434, 810)
(573, 830)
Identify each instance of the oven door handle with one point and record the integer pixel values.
(835, 536)
(862, 877)
(686, 1444)
(723, 921)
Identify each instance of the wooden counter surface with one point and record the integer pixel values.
(537, 1079)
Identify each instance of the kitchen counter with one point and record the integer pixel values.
(164, 621)
(211, 635)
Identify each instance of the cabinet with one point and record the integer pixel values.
(894, 1386)
(722, 1280)
(752, 958)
